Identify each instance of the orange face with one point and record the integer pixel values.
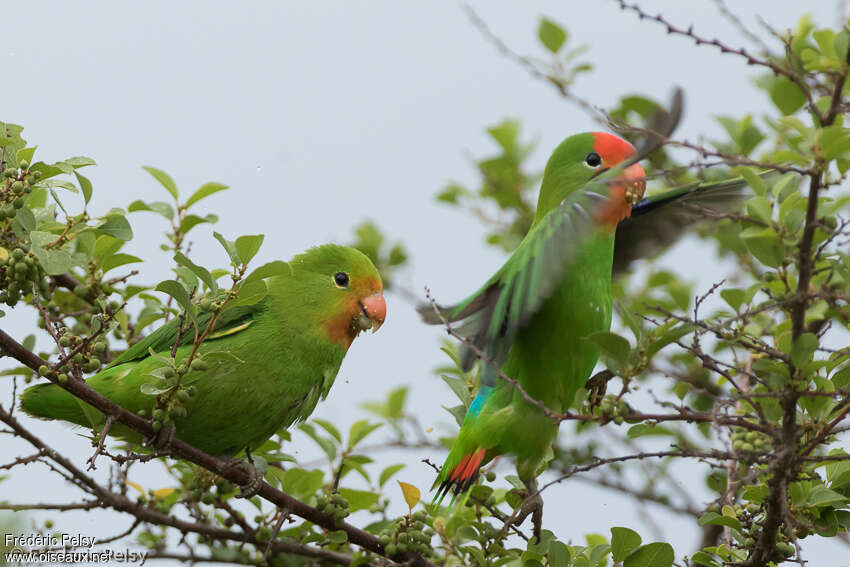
(363, 308)
(628, 187)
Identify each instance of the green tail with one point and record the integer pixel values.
(49, 401)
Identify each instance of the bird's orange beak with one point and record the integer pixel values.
(374, 312)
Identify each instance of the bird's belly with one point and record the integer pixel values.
(552, 357)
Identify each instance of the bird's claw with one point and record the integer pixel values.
(596, 387)
(532, 505)
(161, 440)
(255, 468)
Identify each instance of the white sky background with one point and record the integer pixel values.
(321, 114)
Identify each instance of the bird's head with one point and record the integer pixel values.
(347, 288)
(581, 158)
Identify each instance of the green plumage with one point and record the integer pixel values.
(533, 316)
(284, 359)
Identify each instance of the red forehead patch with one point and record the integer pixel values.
(611, 148)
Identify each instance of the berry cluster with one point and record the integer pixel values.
(411, 533)
(19, 182)
(20, 273)
(749, 441)
(333, 505)
(613, 408)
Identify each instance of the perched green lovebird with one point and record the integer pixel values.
(532, 316)
(286, 351)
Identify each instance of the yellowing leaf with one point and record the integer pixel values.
(4, 254)
(411, 494)
(429, 430)
(162, 492)
(136, 486)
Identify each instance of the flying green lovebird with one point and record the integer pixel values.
(530, 319)
(286, 352)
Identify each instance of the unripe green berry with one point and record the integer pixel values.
(23, 164)
(62, 378)
(199, 365)
(18, 187)
(93, 365)
(43, 370)
(168, 372)
(18, 254)
(81, 290)
(205, 304)
(207, 498)
(65, 341)
(156, 425)
(182, 369)
(490, 476)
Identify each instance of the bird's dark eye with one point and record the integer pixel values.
(341, 279)
(593, 159)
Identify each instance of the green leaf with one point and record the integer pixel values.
(191, 221)
(612, 345)
(656, 554)
(116, 260)
(359, 499)
(116, 226)
(703, 558)
(753, 179)
(803, 349)
(301, 483)
(329, 427)
(269, 270)
(388, 473)
(326, 444)
(338, 537)
(164, 180)
(786, 95)
(85, 187)
(248, 246)
(551, 35)
(203, 192)
(105, 246)
(202, 273)
(395, 402)
(360, 430)
(26, 219)
(765, 245)
(179, 293)
(459, 387)
(160, 207)
(623, 542)
(715, 519)
(56, 262)
(559, 554)
(760, 208)
(250, 294)
(229, 247)
(25, 154)
(734, 297)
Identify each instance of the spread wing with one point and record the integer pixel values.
(660, 220)
(491, 317)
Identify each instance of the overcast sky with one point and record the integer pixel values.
(321, 114)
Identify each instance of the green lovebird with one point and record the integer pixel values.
(286, 352)
(530, 319)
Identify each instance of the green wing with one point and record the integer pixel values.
(492, 316)
(230, 321)
(660, 220)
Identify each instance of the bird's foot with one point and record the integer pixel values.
(596, 387)
(255, 468)
(161, 439)
(532, 504)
